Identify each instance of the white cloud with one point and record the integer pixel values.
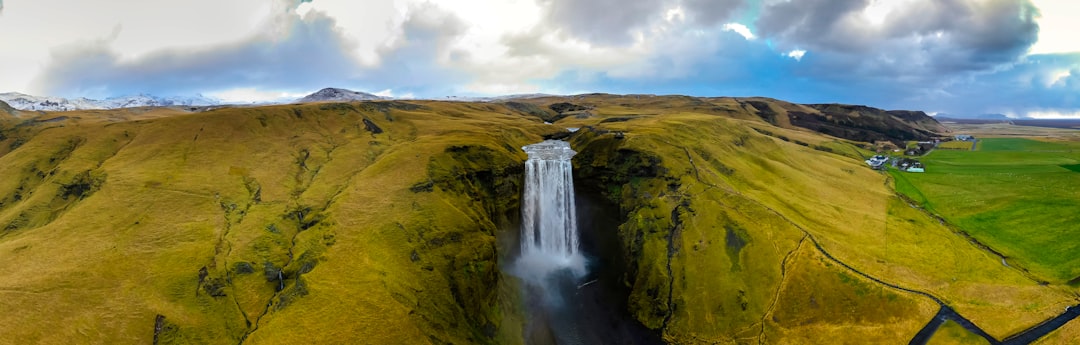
(796, 54)
(739, 29)
(878, 11)
(1054, 114)
(371, 26)
(390, 93)
(501, 89)
(303, 9)
(1058, 77)
(31, 30)
(1058, 26)
(675, 14)
(254, 95)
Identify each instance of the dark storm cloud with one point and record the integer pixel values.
(311, 55)
(814, 24)
(732, 66)
(1031, 84)
(924, 39)
(711, 12)
(614, 22)
(973, 36)
(602, 21)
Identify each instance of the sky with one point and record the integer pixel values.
(963, 57)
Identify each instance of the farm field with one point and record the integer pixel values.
(955, 145)
(1016, 195)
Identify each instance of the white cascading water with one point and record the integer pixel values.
(549, 236)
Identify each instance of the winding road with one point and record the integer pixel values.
(1042, 329)
(1026, 337)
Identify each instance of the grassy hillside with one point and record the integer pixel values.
(371, 213)
(381, 222)
(735, 196)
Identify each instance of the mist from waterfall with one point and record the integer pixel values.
(549, 234)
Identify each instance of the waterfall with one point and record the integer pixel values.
(549, 223)
(549, 234)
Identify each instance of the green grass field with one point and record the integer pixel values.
(1016, 195)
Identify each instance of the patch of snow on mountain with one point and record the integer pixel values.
(34, 103)
(341, 95)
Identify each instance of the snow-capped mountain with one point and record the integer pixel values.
(27, 102)
(154, 101)
(335, 94)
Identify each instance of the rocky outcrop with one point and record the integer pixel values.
(6, 110)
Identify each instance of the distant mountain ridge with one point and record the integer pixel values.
(979, 116)
(855, 122)
(339, 95)
(333, 94)
(22, 101)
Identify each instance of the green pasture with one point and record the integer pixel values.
(1019, 196)
(953, 333)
